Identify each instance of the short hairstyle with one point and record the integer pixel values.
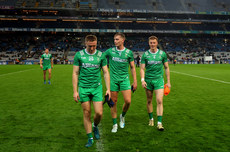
(120, 34)
(153, 38)
(90, 38)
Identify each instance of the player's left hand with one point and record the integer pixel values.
(144, 84)
(169, 85)
(52, 66)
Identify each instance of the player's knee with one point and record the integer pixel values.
(87, 113)
(99, 114)
(128, 102)
(115, 101)
(115, 104)
(149, 101)
(159, 101)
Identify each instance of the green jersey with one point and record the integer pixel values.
(46, 59)
(119, 63)
(154, 64)
(89, 68)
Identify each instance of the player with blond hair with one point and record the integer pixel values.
(152, 78)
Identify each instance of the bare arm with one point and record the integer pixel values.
(52, 63)
(133, 71)
(142, 72)
(167, 72)
(41, 61)
(75, 83)
(107, 79)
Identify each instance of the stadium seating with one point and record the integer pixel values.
(108, 25)
(165, 5)
(8, 2)
(61, 4)
(62, 46)
(67, 17)
(157, 5)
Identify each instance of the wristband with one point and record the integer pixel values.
(142, 79)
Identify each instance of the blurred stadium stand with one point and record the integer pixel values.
(62, 46)
(57, 4)
(157, 5)
(187, 29)
(166, 5)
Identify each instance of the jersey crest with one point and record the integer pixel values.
(99, 54)
(91, 58)
(82, 53)
(161, 52)
(46, 56)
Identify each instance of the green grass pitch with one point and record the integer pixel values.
(44, 118)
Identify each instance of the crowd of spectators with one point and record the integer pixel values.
(162, 5)
(63, 46)
(107, 25)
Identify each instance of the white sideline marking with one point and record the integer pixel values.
(15, 72)
(99, 143)
(201, 77)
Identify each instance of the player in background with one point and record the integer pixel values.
(138, 61)
(46, 63)
(174, 61)
(152, 79)
(119, 59)
(87, 86)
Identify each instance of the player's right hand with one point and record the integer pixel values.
(76, 97)
(41, 66)
(108, 93)
(144, 84)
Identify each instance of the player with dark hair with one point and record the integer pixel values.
(46, 63)
(119, 59)
(152, 79)
(138, 61)
(87, 86)
(174, 61)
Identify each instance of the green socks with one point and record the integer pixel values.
(114, 121)
(159, 118)
(151, 115)
(90, 135)
(123, 114)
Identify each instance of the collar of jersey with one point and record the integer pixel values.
(153, 53)
(91, 54)
(120, 50)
